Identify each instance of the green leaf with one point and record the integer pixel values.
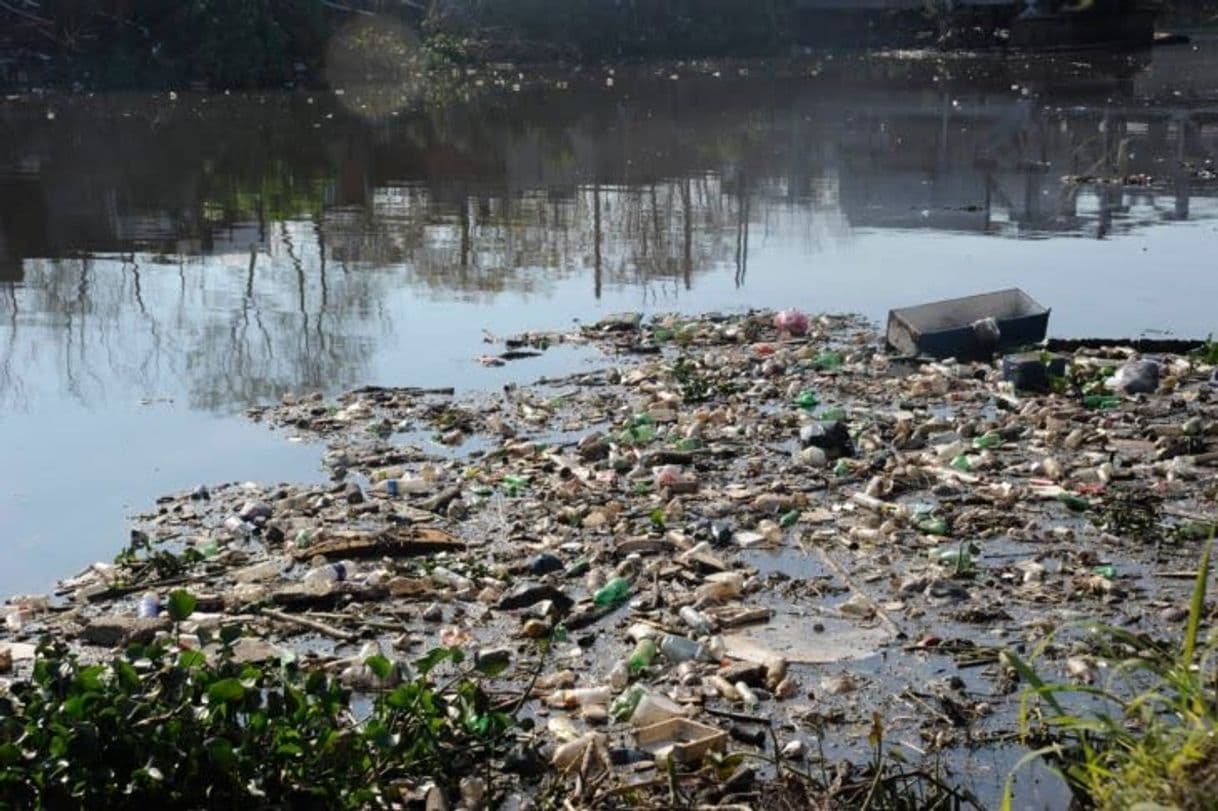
(221, 753)
(379, 665)
(1197, 604)
(191, 659)
(10, 754)
(1029, 675)
(226, 690)
(181, 604)
(434, 658)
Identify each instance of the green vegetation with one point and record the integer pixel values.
(1149, 738)
(162, 728)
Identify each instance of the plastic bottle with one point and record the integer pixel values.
(447, 577)
(933, 526)
(720, 588)
(321, 579)
(149, 607)
(572, 753)
(747, 696)
(961, 463)
(1073, 502)
(612, 593)
(681, 649)
(579, 697)
(266, 570)
(990, 439)
(619, 675)
(641, 658)
(696, 619)
(653, 708)
(1101, 402)
(624, 705)
(807, 400)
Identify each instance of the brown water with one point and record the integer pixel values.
(167, 261)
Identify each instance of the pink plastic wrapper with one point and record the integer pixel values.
(792, 321)
(669, 475)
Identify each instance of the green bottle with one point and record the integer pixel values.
(828, 360)
(1106, 571)
(1101, 402)
(789, 519)
(962, 464)
(513, 485)
(990, 439)
(642, 656)
(612, 593)
(624, 705)
(933, 526)
(956, 557)
(842, 468)
(1073, 502)
(806, 400)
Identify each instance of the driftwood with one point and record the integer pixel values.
(391, 542)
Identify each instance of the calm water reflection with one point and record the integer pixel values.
(166, 262)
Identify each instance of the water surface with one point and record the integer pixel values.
(166, 262)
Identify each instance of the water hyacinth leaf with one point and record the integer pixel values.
(220, 751)
(181, 604)
(379, 665)
(226, 690)
(191, 659)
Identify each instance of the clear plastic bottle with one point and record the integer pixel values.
(696, 620)
(447, 577)
(149, 607)
(266, 570)
(681, 649)
(321, 579)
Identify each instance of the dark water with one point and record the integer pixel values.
(166, 262)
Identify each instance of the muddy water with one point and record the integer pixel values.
(166, 262)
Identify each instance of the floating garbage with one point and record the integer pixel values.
(733, 522)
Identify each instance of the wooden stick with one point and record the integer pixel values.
(864, 596)
(305, 622)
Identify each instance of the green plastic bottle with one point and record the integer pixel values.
(806, 400)
(1101, 402)
(828, 360)
(990, 439)
(642, 656)
(612, 593)
(789, 519)
(962, 464)
(1073, 502)
(513, 485)
(956, 557)
(624, 705)
(842, 468)
(933, 526)
(1106, 571)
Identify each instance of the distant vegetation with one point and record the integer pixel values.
(229, 43)
(233, 43)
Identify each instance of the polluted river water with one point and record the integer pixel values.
(167, 263)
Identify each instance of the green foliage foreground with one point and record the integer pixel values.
(162, 728)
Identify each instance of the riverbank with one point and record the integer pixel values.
(786, 539)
